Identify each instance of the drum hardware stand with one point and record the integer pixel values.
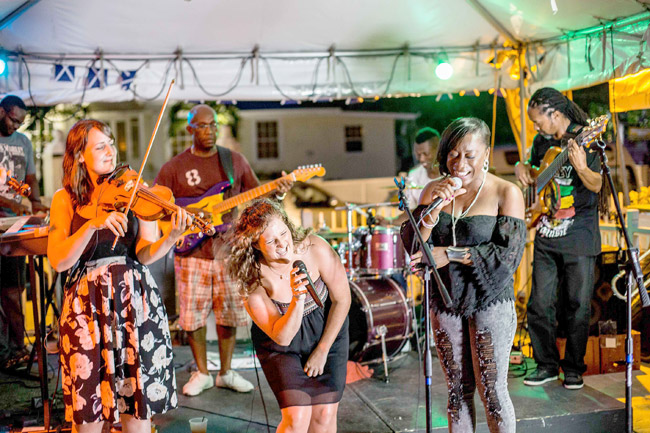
(381, 332)
(633, 275)
(348, 213)
(429, 268)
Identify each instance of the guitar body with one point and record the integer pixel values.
(543, 195)
(539, 198)
(211, 205)
(202, 207)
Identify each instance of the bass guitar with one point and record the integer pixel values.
(542, 194)
(211, 205)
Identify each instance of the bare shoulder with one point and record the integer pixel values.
(61, 202)
(61, 195)
(318, 247)
(507, 188)
(257, 298)
(511, 199)
(61, 214)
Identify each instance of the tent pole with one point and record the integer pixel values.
(522, 104)
(620, 159)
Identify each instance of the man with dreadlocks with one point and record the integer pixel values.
(566, 242)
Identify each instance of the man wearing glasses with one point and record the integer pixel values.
(17, 158)
(201, 280)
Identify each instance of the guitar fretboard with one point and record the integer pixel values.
(249, 195)
(546, 176)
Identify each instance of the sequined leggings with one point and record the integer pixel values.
(474, 353)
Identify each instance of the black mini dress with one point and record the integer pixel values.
(283, 365)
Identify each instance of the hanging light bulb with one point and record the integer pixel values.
(444, 70)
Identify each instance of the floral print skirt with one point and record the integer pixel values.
(116, 352)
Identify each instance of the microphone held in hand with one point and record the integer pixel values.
(438, 201)
(310, 287)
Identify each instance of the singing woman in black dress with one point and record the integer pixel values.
(478, 237)
(303, 348)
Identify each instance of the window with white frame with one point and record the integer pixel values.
(267, 140)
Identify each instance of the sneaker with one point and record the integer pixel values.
(198, 383)
(540, 377)
(573, 380)
(234, 381)
(17, 360)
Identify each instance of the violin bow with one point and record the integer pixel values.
(146, 155)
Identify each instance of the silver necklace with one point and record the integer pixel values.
(282, 276)
(462, 215)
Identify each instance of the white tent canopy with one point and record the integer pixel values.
(309, 50)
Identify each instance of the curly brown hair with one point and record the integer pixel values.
(243, 263)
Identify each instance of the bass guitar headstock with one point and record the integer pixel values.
(592, 131)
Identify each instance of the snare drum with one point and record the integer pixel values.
(382, 252)
(378, 307)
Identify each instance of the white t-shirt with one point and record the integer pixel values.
(417, 177)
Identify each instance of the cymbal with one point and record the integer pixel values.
(328, 234)
(352, 206)
(394, 188)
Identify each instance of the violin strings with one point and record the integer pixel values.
(170, 206)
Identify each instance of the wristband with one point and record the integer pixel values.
(280, 196)
(427, 225)
(456, 254)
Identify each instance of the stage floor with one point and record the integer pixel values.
(372, 405)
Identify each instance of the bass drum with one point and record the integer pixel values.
(378, 307)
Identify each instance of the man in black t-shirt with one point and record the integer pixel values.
(566, 242)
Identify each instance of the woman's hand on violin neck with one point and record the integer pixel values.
(181, 221)
(116, 222)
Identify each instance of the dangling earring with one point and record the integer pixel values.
(486, 166)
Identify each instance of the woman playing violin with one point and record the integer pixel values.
(115, 349)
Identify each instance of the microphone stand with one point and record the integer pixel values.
(430, 268)
(633, 275)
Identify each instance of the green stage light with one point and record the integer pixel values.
(444, 70)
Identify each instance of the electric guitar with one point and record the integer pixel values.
(211, 205)
(541, 195)
(17, 186)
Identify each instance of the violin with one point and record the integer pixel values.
(149, 204)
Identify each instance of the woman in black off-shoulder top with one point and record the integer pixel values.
(477, 238)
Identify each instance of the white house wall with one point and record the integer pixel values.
(310, 138)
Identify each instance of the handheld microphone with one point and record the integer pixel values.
(438, 201)
(310, 287)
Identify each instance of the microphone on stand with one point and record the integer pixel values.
(310, 287)
(438, 201)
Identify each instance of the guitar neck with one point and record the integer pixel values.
(249, 195)
(545, 176)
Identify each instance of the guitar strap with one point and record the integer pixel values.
(225, 157)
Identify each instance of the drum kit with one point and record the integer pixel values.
(381, 314)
